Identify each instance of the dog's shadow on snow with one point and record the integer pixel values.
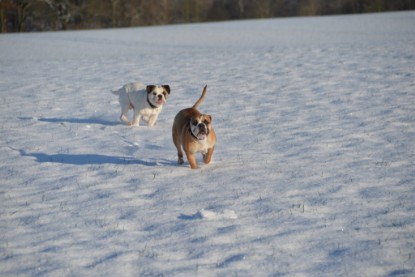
(91, 120)
(93, 159)
(190, 216)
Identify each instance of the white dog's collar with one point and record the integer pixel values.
(151, 105)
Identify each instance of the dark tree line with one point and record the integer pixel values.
(46, 15)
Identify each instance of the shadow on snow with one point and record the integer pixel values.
(88, 159)
(80, 120)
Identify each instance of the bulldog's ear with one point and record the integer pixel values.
(209, 117)
(150, 88)
(166, 88)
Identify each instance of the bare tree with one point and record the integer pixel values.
(22, 8)
(62, 10)
(5, 6)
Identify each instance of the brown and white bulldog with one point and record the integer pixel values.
(193, 131)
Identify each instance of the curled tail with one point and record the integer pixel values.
(198, 102)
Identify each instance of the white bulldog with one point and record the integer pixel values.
(146, 101)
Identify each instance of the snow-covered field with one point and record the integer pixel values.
(314, 169)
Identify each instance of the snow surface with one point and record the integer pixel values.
(313, 173)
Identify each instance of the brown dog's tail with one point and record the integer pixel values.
(198, 102)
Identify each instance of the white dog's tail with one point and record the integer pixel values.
(198, 102)
(116, 92)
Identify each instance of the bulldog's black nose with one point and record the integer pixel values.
(202, 126)
(160, 96)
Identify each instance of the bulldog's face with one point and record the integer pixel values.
(157, 95)
(200, 126)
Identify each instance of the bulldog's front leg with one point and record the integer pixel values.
(191, 158)
(208, 156)
(152, 120)
(136, 119)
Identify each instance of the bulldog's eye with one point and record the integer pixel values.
(164, 93)
(194, 122)
(154, 93)
(206, 122)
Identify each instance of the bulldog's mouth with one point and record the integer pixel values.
(201, 136)
(199, 131)
(161, 101)
(156, 103)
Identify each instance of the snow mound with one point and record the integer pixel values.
(212, 214)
